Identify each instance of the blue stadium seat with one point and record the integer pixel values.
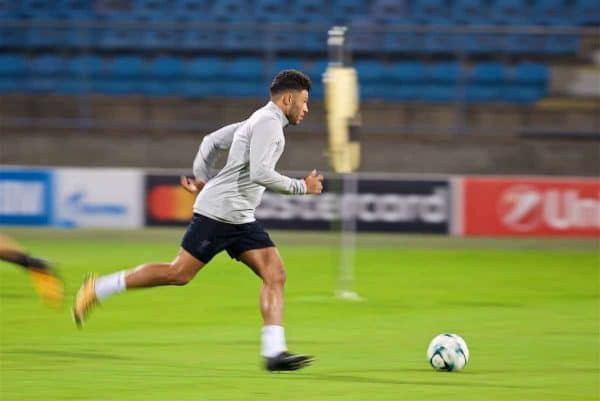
(434, 12)
(392, 11)
(37, 9)
(530, 73)
(587, 12)
(79, 10)
(523, 44)
(370, 70)
(511, 12)
(274, 11)
(45, 73)
(439, 92)
(9, 9)
(80, 72)
(231, 11)
(285, 63)
(159, 38)
(552, 12)
(202, 76)
(13, 69)
(561, 44)
(119, 38)
(442, 42)
(163, 76)
(201, 39)
(246, 68)
(398, 42)
(152, 10)
(471, 12)
(241, 40)
(361, 38)
(480, 43)
(447, 72)
(114, 10)
(11, 37)
(488, 72)
(192, 10)
(346, 11)
(482, 93)
(123, 75)
(406, 71)
(523, 93)
(311, 11)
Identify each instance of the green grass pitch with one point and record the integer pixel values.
(528, 309)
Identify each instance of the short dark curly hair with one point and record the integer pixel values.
(290, 80)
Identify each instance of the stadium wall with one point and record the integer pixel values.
(447, 205)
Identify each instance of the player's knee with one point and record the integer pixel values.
(179, 276)
(276, 275)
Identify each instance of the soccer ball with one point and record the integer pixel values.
(448, 352)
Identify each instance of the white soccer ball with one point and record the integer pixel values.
(448, 352)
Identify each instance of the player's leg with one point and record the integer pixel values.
(96, 289)
(268, 265)
(197, 249)
(44, 278)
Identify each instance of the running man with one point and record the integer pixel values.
(46, 282)
(224, 215)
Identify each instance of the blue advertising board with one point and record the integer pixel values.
(26, 197)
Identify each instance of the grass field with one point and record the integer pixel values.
(528, 309)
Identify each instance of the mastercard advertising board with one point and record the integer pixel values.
(167, 203)
(530, 206)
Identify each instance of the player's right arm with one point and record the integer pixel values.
(209, 149)
(204, 162)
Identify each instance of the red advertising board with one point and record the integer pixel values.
(531, 206)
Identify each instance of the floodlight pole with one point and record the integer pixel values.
(340, 56)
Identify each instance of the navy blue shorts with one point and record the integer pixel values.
(205, 237)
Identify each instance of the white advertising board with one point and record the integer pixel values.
(87, 197)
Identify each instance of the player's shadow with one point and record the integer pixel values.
(40, 353)
(348, 378)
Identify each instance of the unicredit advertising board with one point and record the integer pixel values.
(530, 206)
(389, 204)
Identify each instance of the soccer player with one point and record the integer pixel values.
(46, 282)
(224, 215)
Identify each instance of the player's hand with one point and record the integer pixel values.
(314, 183)
(191, 185)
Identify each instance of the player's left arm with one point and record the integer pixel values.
(263, 145)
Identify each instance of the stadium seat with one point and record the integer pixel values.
(160, 38)
(530, 73)
(13, 69)
(45, 73)
(11, 37)
(284, 63)
(246, 68)
(447, 72)
(78, 10)
(80, 73)
(437, 92)
(114, 10)
(231, 11)
(587, 12)
(482, 93)
(119, 38)
(406, 72)
(191, 10)
(37, 9)
(489, 72)
(346, 11)
(361, 38)
(470, 12)
(163, 76)
(398, 42)
(123, 75)
(561, 44)
(201, 39)
(241, 40)
(391, 11)
(552, 12)
(9, 9)
(511, 12)
(152, 10)
(370, 70)
(272, 11)
(311, 11)
(202, 77)
(432, 12)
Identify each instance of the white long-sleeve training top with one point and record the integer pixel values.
(255, 146)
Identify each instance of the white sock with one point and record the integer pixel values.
(273, 341)
(109, 285)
